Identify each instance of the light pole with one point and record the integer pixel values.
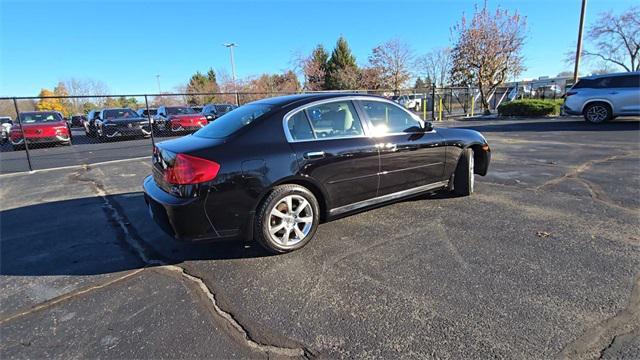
(579, 48)
(233, 65)
(158, 80)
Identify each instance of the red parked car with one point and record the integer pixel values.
(40, 127)
(178, 119)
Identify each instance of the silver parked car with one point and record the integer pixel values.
(601, 98)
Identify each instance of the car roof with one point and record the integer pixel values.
(611, 74)
(286, 100)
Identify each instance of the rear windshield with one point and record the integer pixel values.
(119, 114)
(30, 118)
(179, 110)
(233, 121)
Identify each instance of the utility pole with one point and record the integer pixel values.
(158, 80)
(233, 65)
(579, 48)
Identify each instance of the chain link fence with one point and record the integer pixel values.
(95, 129)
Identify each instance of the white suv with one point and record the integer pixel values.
(604, 97)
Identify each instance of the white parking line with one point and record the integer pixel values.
(73, 166)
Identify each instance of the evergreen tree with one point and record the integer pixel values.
(342, 70)
(201, 83)
(419, 85)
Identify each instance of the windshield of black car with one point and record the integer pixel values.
(31, 118)
(119, 114)
(233, 121)
(180, 110)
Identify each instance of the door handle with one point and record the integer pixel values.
(312, 155)
(613, 92)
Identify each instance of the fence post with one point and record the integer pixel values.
(153, 140)
(24, 136)
(473, 102)
(440, 109)
(450, 100)
(424, 107)
(237, 99)
(433, 103)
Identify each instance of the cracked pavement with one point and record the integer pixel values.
(85, 272)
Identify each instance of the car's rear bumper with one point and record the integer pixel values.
(569, 111)
(184, 219)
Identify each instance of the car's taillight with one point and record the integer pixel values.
(188, 170)
(202, 120)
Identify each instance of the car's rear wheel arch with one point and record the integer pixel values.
(309, 185)
(598, 102)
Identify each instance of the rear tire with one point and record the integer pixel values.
(464, 178)
(287, 219)
(597, 113)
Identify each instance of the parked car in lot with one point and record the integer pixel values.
(412, 101)
(601, 98)
(214, 111)
(120, 122)
(5, 128)
(272, 170)
(90, 124)
(78, 120)
(178, 119)
(144, 113)
(40, 127)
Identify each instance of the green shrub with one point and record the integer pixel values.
(530, 107)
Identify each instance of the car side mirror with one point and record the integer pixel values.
(427, 126)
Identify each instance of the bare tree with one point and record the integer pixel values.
(436, 64)
(84, 87)
(488, 50)
(394, 60)
(616, 39)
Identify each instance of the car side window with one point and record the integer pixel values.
(299, 127)
(331, 120)
(630, 81)
(387, 118)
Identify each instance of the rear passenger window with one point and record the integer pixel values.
(299, 127)
(629, 81)
(326, 121)
(389, 119)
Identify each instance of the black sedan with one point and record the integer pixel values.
(274, 169)
(112, 123)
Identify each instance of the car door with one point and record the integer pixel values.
(410, 157)
(332, 147)
(626, 97)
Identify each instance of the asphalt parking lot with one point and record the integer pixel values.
(542, 261)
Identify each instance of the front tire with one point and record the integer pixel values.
(464, 178)
(597, 113)
(287, 219)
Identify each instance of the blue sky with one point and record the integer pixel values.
(126, 43)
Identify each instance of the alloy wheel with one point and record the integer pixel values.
(597, 113)
(290, 220)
